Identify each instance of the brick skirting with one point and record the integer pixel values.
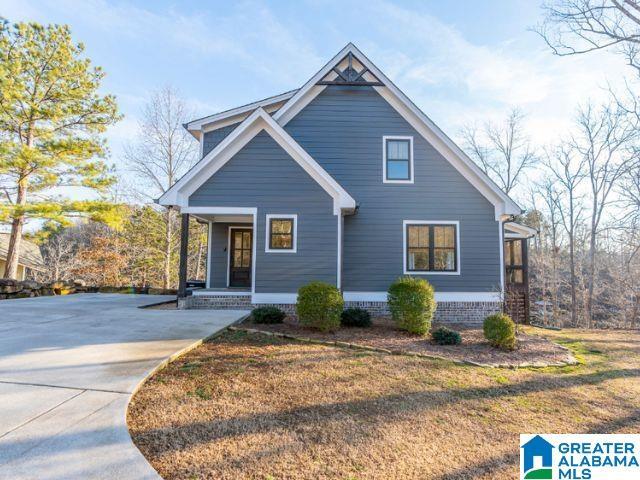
(446, 312)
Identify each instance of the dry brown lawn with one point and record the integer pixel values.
(262, 408)
(533, 350)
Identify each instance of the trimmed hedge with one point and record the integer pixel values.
(412, 304)
(267, 315)
(446, 336)
(319, 306)
(500, 330)
(355, 317)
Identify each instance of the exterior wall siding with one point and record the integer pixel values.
(342, 130)
(263, 175)
(213, 138)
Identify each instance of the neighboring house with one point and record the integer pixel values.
(345, 181)
(30, 260)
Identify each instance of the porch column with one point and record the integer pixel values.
(184, 249)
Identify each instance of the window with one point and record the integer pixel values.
(397, 159)
(513, 261)
(431, 247)
(281, 233)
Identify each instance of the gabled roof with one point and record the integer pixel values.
(211, 122)
(30, 255)
(286, 106)
(504, 205)
(258, 121)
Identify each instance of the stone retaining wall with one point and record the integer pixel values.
(10, 288)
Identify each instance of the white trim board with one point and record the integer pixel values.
(440, 296)
(416, 118)
(258, 121)
(291, 298)
(220, 293)
(384, 158)
(209, 250)
(430, 222)
(285, 298)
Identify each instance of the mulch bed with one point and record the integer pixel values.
(532, 351)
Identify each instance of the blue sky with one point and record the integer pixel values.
(461, 62)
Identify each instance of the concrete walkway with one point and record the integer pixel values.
(68, 366)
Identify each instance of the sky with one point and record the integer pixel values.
(461, 62)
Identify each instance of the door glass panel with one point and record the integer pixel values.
(237, 239)
(237, 258)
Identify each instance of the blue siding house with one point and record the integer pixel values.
(343, 180)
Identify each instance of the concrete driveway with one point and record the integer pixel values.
(68, 366)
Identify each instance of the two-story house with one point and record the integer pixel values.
(346, 181)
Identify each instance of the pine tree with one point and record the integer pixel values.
(51, 118)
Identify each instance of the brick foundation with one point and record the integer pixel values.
(446, 312)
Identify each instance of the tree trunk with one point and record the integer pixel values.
(591, 274)
(15, 239)
(167, 252)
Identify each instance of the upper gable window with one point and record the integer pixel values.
(397, 158)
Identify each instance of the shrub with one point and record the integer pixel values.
(267, 315)
(355, 317)
(319, 306)
(412, 304)
(500, 330)
(446, 336)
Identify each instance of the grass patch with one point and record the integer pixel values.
(260, 404)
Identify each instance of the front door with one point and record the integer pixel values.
(240, 257)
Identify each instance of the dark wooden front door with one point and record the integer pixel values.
(240, 257)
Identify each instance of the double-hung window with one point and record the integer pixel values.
(281, 233)
(431, 247)
(397, 159)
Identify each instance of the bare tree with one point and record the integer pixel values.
(603, 141)
(163, 152)
(503, 151)
(568, 170)
(574, 27)
(549, 233)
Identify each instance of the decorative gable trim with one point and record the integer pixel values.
(504, 205)
(259, 120)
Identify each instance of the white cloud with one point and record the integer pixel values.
(457, 81)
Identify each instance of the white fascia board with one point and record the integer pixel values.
(259, 120)
(504, 205)
(520, 231)
(201, 123)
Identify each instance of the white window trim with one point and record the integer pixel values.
(268, 233)
(430, 222)
(384, 158)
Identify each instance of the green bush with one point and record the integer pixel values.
(355, 317)
(446, 336)
(412, 304)
(267, 315)
(500, 330)
(319, 306)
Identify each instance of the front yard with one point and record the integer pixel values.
(250, 406)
